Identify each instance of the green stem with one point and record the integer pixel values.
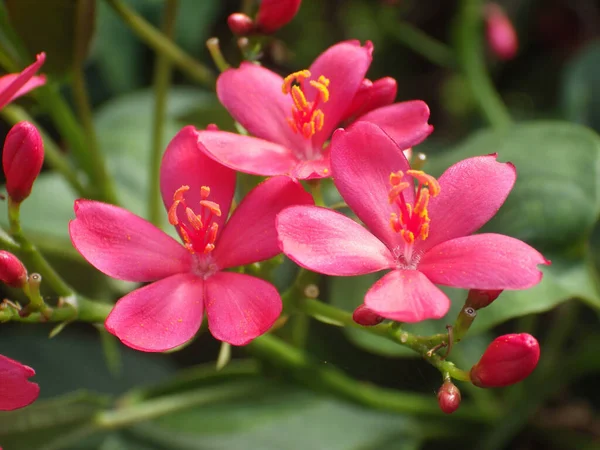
(52, 154)
(470, 53)
(162, 81)
(418, 41)
(80, 308)
(151, 409)
(215, 52)
(329, 378)
(99, 174)
(163, 45)
(324, 312)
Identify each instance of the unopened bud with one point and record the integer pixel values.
(240, 24)
(22, 159)
(12, 270)
(480, 298)
(366, 317)
(507, 360)
(449, 397)
(273, 14)
(500, 32)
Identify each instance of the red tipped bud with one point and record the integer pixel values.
(480, 298)
(366, 317)
(12, 270)
(22, 159)
(508, 360)
(449, 397)
(372, 95)
(500, 32)
(273, 14)
(240, 24)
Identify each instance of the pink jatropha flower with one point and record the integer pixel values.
(422, 234)
(197, 193)
(292, 119)
(16, 391)
(15, 85)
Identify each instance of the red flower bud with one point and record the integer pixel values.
(12, 270)
(480, 298)
(240, 24)
(366, 317)
(22, 159)
(449, 397)
(507, 360)
(273, 14)
(501, 35)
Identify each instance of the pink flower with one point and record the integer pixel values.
(273, 14)
(422, 237)
(17, 84)
(197, 193)
(501, 35)
(292, 119)
(509, 359)
(16, 391)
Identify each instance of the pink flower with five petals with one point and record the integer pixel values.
(191, 278)
(422, 234)
(16, 391)
(292, 119)
(15, 85)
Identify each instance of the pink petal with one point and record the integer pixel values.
(123, 245)
(185, 164)
(407, 296)
(247, 154)
(240, 307)
(15, 85)
(483, 261)
(345, 65)
(16, 391)
(160, 316)
(405, 122)
(472, 191)
(372, 95)
(362, 159)
(250, 234)
(253, 96)
(328, 242)
(313, 169)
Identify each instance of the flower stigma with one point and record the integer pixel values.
(198, 231)
(412, 220)
(306, 117)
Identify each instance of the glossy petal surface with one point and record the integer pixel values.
(483, 261)
(407, 296)
(159, 316)
(362, 159)
(123, 245)
(240, 307)
(328, 242)
(250, 234)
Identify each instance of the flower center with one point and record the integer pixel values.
(412, 220)
(306, 117)
(198, 231)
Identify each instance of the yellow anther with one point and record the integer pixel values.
(172, 214)
(318, 119)
(299, 99)
(212, 207)
(209, 248)
(424, 231)
(422, 202)
(194, 220)
(322, 88)
(299, 77)
(323, 80)
(187, 240)
(396, 177)
(178, 195)
(204, 192)
(408, 236)
(308, 130)
(426, 180)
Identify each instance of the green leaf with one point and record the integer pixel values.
(281, 417)
(580, 96)
(555, 201)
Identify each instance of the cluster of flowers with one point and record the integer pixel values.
(327, 121)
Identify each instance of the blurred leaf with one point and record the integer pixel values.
(555, 201)
(194, 22)
(580, 94)
(281, 417)
(50, 26)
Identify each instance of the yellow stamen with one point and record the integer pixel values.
(212, 207)
(299, 77)
(204, 192)
(426, 180)
(194, 220)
